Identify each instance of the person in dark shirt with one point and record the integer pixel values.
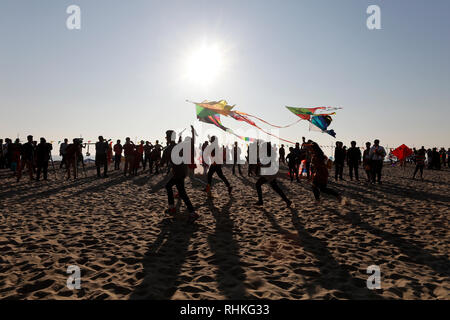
(282, 154)
(147, 155)
(101, 158)
(298, 159)
(353, 160)
(292, 163)
(178, 175)
(73, 153)
(128, 150)
(28, 158)
(339, 160)
(420, 162)
(271, 179)
(216, 167)
(117, 155)
(155, 157)
(43, 150)
(236, 158)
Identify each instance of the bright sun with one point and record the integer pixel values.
(205, 64)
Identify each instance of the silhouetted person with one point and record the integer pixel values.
(377, 154)
(28, 157)
(354, 160)
(236, 157)
(339, 160)
(101, 149)
(282, 154)
(320, 173)
(271, 179)
(43, 150)
(62, 152)
(117, 155)
(366, 162)
(420, 162)
(216, 167)
(178, 172)
(128, 149)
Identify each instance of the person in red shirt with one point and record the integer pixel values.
(117, 155)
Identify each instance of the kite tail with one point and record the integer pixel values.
(270, 124)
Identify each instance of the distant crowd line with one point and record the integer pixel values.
(304, 159)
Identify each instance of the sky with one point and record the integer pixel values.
(129, 69)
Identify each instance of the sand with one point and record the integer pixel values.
(116, 231)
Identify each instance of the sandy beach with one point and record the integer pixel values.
(116, 232)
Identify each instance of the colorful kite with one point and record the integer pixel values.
(317, 121)
(209, 112)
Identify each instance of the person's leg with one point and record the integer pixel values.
(45, 170)
(127, 163)
(222, 176)
(316, 192)
(30, 168)
(421, 171)
(98, 170)
(234, 165)
(379, 169)
(415, 170)
(350, 170)
(105, 168)
(341, 171)
(291, 172)
(259, 183)
(308, 167)
(355, 167)
(211, 171)
(38, 172)
(169, 190)
(278, 190)
(336, 171)
(239, 167)
(183, 195)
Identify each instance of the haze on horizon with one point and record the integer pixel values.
(132, 65)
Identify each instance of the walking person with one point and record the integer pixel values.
(271, 179)
(178, 175)
(320, 174)
(216, 167)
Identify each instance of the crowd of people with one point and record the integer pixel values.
(306, 159)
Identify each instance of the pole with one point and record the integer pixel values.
(53, 165)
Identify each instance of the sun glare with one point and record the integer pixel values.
(205, 64)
